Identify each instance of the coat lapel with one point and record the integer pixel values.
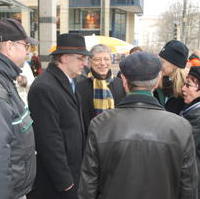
(65, 84)
(78, 98)
(63, 80)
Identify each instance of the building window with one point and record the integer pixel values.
(119, 24)
(84, 19)
(91, 19)
(15, 15)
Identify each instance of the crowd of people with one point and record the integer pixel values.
(79, 132)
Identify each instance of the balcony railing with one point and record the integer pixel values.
(97, 3)
(85, 3)
(137, 4)
(126, 3)
(12, 6)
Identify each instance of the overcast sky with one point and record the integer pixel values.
(155, 7)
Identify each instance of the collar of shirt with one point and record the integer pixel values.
(71, 81)
(141, 92)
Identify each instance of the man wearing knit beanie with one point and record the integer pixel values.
(174, 55)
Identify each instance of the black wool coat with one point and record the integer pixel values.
(59, 135)
(193, 116)
(175, 104)
(85, 88)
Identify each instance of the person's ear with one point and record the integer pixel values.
(159, 81)
(64, 58)
(8, 46)
(125, 83)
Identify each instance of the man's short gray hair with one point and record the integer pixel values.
(2, 45)
(148, 84)
(99, 48)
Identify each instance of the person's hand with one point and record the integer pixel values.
(69, 192)
(22, 80)
(68, 188)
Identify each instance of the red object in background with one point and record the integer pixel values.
(195, 62)
(36, 65)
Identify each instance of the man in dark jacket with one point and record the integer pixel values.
(101, 90)
(56, 112)
(17, 147)
(139, 150)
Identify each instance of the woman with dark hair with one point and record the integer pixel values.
(191, 95)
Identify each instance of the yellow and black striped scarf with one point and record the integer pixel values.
(102, 96)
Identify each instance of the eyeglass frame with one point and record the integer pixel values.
(188, 85)
(26, 45)
(106, 59)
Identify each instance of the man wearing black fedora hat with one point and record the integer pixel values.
(58, 125)
(17, 146)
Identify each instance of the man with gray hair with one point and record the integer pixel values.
(139, 150)
(17, 147)
(101, 90)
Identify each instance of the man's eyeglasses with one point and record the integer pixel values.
(100, 59)
(27, 46)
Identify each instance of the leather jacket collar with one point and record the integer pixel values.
(138, 100)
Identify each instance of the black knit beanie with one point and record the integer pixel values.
(175, 52)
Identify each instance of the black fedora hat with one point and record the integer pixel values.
(71, 44)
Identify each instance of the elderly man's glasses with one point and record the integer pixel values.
(27, 46)
(100, 59)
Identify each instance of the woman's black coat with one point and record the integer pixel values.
(193, 116)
